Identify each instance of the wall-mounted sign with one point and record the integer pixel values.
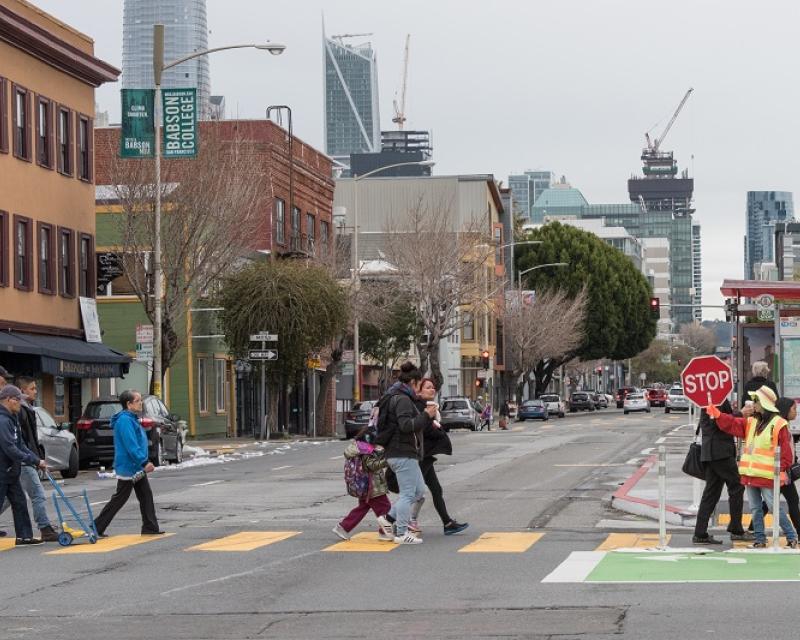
(91, 321)
(109, 267)
(179, 107)
(137, 139)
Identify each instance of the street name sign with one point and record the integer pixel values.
(707, 380)
(263, 337)
(266, 354)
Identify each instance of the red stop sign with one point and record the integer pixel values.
(707, 380)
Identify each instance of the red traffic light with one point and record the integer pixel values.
(485, 359)
(655, 308)
(478, 383)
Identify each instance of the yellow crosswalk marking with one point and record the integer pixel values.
(725, 518)
(364, 542)
(7, 543)
(745, 544)
(520, 428)
(630, 541)
(517, 542)
(244, 541)
(106, 545)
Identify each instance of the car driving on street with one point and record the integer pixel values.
(533, 410)
(459, 413)
(581, 401)
(657, 397)
(676, 401)
(636, 402)
(622, 392)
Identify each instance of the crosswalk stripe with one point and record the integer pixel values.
(7, 543)
(502, 542)
(244, 541)
(106, 545)
(745, 544)
(630, 541)
(725, 518)
(366, 542)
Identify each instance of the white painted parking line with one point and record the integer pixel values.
(288, 466)
(205, 484)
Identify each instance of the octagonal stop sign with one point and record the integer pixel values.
(707, 380)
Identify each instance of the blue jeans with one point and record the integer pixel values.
(32, 486)
(412, 489)
(754, 496)
(11, 492)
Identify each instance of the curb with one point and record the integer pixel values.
(622, 501)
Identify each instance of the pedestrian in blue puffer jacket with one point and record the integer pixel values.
(131, 466)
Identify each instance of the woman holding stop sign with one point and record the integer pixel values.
(763, 429)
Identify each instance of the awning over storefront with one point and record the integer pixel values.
(753, 288)
(67, 357)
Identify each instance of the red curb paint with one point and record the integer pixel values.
(630, 483)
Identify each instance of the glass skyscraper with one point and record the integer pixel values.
(764, 210)
(352, 121)
(185, 31)
(526, 188)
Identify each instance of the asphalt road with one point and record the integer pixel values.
(548, 484)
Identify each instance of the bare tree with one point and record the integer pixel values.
(701, 339)
(441, 256)
(212, 211)
(547, 329)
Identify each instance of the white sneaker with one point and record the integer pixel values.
(409, 538)
(385, 526)
(413, 527)
(339, 531)
(386, 537)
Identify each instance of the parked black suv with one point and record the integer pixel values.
(358, 417)
(581, 401)
(96, 437)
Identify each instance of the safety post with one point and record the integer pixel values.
(776, 499)
(662, 497)
(697, 484)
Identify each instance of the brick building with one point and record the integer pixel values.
(216, 394)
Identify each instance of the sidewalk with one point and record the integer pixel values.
(639, 494)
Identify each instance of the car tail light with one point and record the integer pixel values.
(350, 415)
(84, 425)
(147, 423)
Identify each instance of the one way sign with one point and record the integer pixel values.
(267, 354)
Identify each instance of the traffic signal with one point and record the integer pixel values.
(655, 308)
(484, 359)
(478, 383)
(599, 370)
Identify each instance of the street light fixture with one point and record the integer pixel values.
(357, 266)
(158, 69)
(538, 266)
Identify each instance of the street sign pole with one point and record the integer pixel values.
(263, 337)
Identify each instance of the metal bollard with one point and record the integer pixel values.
(662, 497)
(776, 499)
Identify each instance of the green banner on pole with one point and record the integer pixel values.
(138, 130)
(180, 122)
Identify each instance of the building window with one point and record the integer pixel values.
(311, 233)
(86, 288)
(219, 384)
(280, 221)
(295, 229)
(65, 141)
(47, 271)
(3, 249)
(44, 132)
(22, 123)
(324, 234)
(84, 148)
(66, 262)
(202, 385)
(468, 332)
(23, 253)
(3, 115)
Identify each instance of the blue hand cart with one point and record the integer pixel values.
(67, 513)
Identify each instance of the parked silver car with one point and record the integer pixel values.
(60, 448)
(555, 405)
(459, 413)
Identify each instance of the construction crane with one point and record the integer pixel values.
(400, 109)
(350, 35)
(653, 145)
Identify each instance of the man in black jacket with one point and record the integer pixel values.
(718, 454)
(760, 378)
(13, 455)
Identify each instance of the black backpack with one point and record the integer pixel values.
(384, 431)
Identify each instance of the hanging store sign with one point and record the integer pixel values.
(179, 107)
(137, 139)
(109, 267)
(91, 321)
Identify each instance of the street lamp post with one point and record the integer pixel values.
(357, 266)
(158, 69)
(538, 266)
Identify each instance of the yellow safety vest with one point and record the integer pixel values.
(758, 453)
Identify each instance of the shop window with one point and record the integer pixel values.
(23, 253)
(202, 385)
(220, 387)
(66, 262)
(22, 123)
(47, 267)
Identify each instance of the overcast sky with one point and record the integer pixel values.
(565, 85)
